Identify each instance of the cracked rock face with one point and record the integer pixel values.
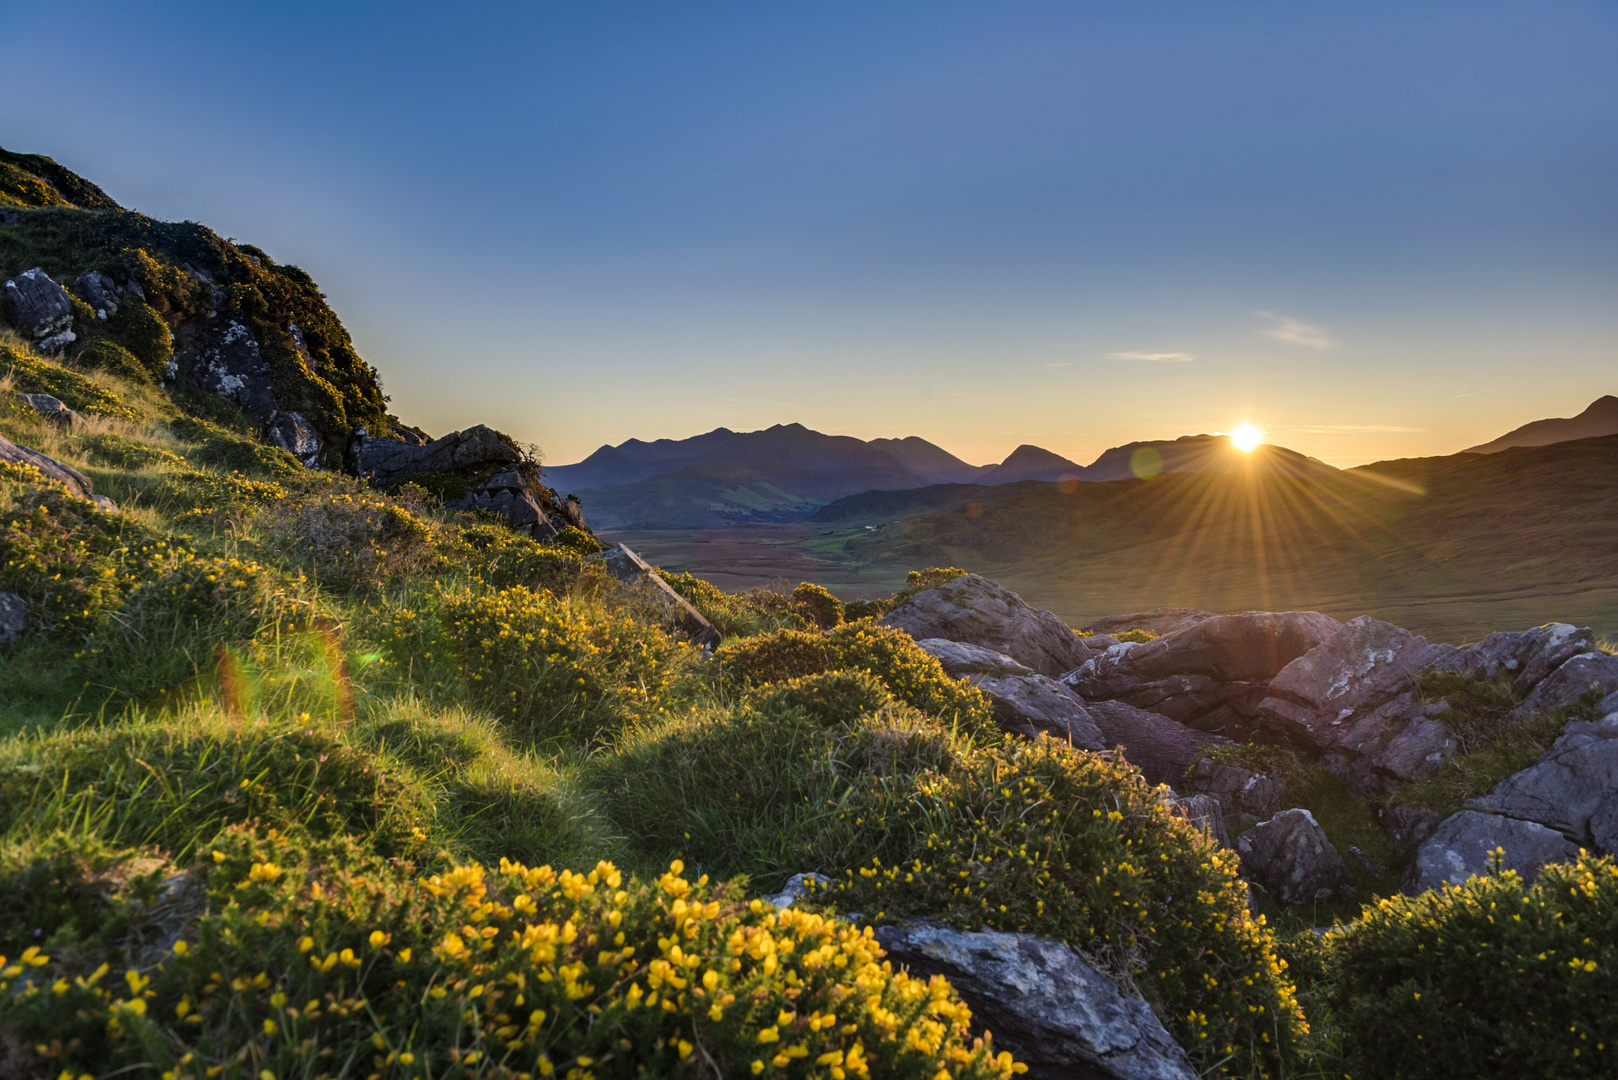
(978, 611)
(1162, 749)
(1571, 784)
(99, 291)
(1044, 1003)
(1210, 675)
(1525, 656)
(1464, 846)
(292, 433)
(228, 362)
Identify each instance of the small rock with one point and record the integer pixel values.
(1290, 856)
(38, 307)
(1206, 812)
(796, 888)
(50, 408)
(13, 617)
(1464, 846)
(99, 291)
(76, 482)
(1236, 788)
(1525, 656)
(976, 610)
(1044, 1004)
(292, 433)
(1588, 672)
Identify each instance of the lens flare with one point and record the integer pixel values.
(1246, 437)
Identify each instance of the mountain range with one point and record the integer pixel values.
(788, 472)
(1601, 418)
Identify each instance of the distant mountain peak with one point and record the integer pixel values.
(1599, 418)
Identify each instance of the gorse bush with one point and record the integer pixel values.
(554, 667)
(1038, 837)
(817, 605)
(742, 614)
(328, 962)
(913, 675)
(1490, 978)
(34, 375)
(348, 539)
(503, 559)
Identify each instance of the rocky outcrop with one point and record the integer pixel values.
(1589, 673)
(1042, 1002)
(1571, 784)
(13, 617)
(629, 568)
(976, 610)
(1212, 674)
(1465, 844)
(297, 436)
(1290, 857)
(1162, 749)
(40, 310)
(489, 473)
(226, 360)
(1024, 703)
(1526, 657)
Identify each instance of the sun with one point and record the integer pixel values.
(1246, 437)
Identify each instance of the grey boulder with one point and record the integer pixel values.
(39, 308)
(1210, 675)
(1290, 857)
(1207, 814)
(1238, 790)
(386, 462)
(979, 611)
(628, 568)
(99, 291)
(51, 408)
(1024, 703)
(13, 617)
(1571, 784)
(1464, 846)
(1043, 1003)
(297, 436)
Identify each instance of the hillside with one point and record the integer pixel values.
(1031, 463)
(1450, 545)
(1199, 453)
(1599, 418)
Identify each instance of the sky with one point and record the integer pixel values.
(1373, 230)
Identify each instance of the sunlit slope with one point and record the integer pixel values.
(1455, 546)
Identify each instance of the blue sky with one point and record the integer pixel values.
(1374, 230)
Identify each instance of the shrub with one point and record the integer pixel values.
(194, 496)
(740, 614)
(817, 605)
(504, 559)
(125, 453)
(1138, 634)
(572, 538)
(217, 446)
(757, 789)
(34, 375)
(554, 667)
(330, 962)
(892, 655)
(1489, 748)
(141, 331)
(69, 560)
(1039, 837)
(1489, 978)
(177, 785)
(102, 354)
(348, 539)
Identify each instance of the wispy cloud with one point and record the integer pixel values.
(1154, 357)
(1490, 390)
(1331, 429)
(1295, 331)
(1065, 363)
